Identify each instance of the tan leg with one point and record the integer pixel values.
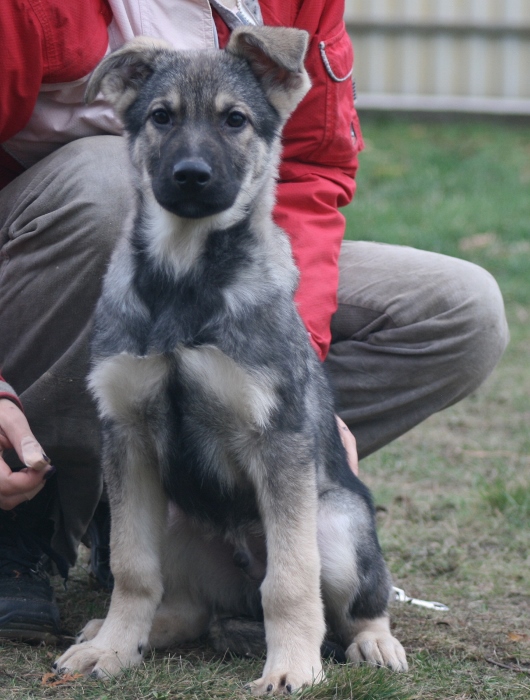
(292, 606)
(138, 509)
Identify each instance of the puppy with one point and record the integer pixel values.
(210, 395)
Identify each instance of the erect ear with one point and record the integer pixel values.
(120, 75)
(276, 57)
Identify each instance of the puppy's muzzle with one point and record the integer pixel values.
(194, 185)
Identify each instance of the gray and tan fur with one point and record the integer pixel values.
(213, 405)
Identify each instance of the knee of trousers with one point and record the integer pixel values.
(476, 321)
(81, 192)
(443, 313)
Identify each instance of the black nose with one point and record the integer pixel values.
(192, 174)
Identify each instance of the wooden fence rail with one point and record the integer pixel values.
(448, 55)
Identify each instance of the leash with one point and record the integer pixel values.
(402, 597)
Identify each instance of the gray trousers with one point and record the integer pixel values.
(414, 331)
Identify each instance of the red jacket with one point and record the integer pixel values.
(53, 41)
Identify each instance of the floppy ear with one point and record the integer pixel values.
(276, 57)
(120, 75)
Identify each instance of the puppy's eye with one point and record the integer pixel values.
(160, 116)
(236, 120)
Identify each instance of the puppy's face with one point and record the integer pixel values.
(200, 130)
(204, 126)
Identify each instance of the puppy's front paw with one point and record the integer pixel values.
(286, 682)
(377, 649)
(90, 659)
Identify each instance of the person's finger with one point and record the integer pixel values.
(15, 428)
(31, 453)
(350, 445)
(9, 502)
(24, 483)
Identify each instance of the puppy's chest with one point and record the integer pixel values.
(191, 380)
(248, 394)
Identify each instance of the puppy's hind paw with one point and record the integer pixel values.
(89, 631)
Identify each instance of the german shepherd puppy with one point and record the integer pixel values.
(210, 395)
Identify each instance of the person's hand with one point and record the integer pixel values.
(350, 445)
(16, 487)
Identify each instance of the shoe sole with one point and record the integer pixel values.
(30, 624)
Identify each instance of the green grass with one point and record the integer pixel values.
(453, 494)
(512, 501)
(459, 189)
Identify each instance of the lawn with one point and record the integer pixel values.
(453, 495)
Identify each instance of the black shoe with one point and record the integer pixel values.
(28, 610)
(98, 535)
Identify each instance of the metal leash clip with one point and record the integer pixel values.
(402, 597)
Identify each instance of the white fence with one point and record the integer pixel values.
(449, 55)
